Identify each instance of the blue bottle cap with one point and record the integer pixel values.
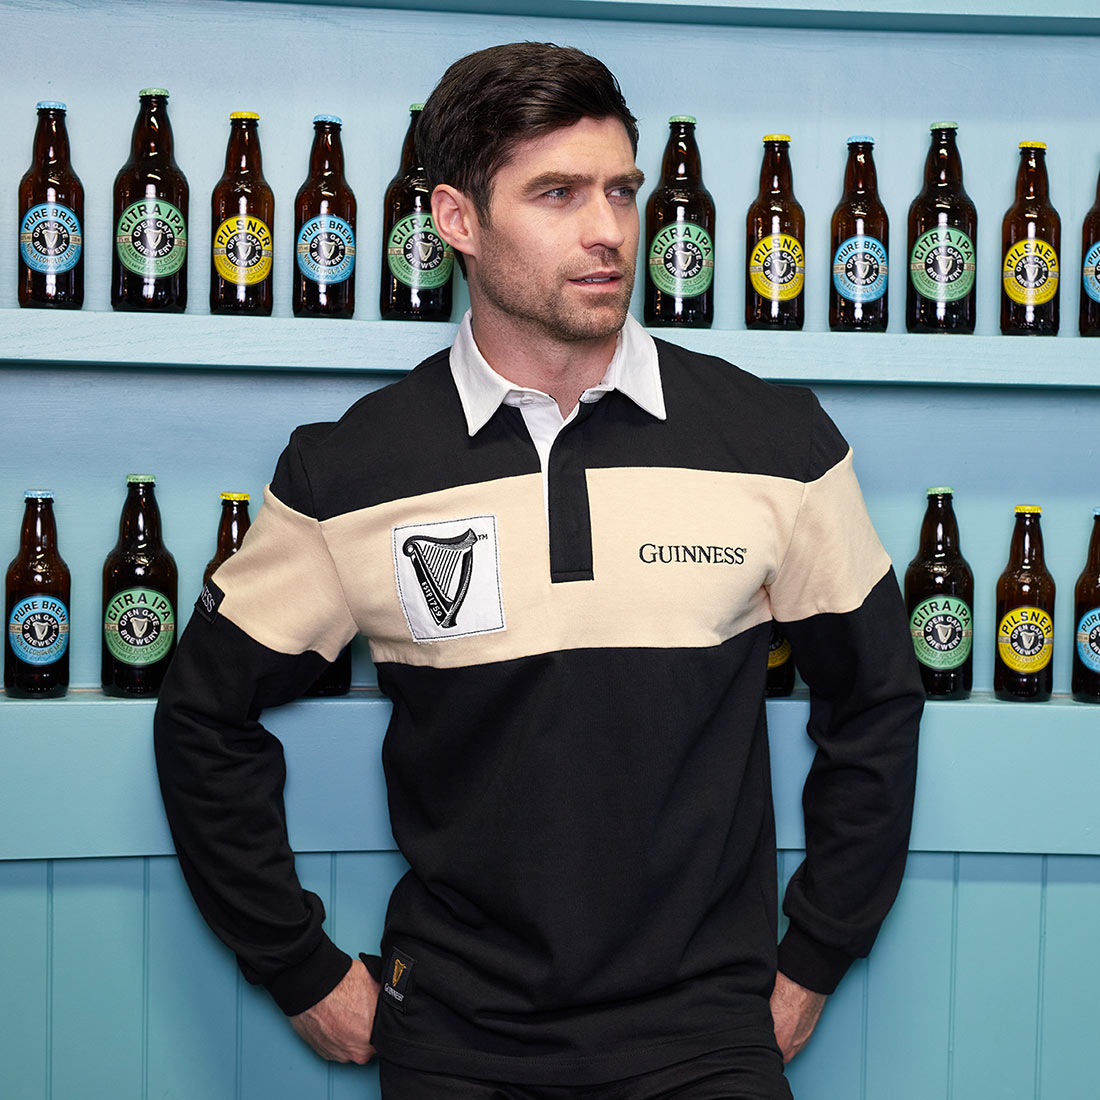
(861, 137)
(38, 494)
(50, 105)
(328, 118)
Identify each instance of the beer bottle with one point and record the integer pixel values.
(139, 597)
(941, 292)
(776, 228)
(233, 524)
(324, 230)
(780, 679)
(1086, 614)
(336, 678)
(51, 219)
(939, 599)
(1031, 243)
(417, 264)
(242, 220)
(149, 263)
(1090, 269)
(36, 658)
(1023, 666)
(679, 227)
(860, 243)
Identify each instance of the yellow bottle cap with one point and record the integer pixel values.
(244, 114)
(236, 496)
(777, 137)
(1028, 509)
(1033, 144)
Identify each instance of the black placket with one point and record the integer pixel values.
(570, 522)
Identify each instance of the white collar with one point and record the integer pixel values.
(633, 370)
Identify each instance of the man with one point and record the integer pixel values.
(566, 543)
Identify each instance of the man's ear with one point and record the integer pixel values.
(455, 218)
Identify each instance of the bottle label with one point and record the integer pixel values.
(50, 239)
(943, 630)
(417, 256)
(1088, 639)
(242, 250)
(943, 264)
(326, 249)
(1025, 639)
(1090, 272)
(860, 268)
(151, 238)
(779, 650)
(139, 625)
(38, 630)
(777, 267)
(1030, 273)
(681, 260)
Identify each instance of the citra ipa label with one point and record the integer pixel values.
(139, 625)
(151, 238)
(681, 260)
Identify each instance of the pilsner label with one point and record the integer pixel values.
(139, 625)
(326, 249)
(50, 239)
(1088, 639)
(779, 650)
(777, 267)
(1030, 273)
(860, 269)
(1025, 639)
(942, 629)
(243, 250)
(943, 265)
(38, 630)
(1090, 272)
(416, 255)
(151, 238)
(681, 260)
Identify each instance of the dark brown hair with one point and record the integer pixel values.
(490, 101)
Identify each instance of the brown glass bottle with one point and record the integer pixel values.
(336, 678)
(242, 223)
(149, 260)
(51, 219)
(417, 265)
(1031, 249)
(679, 231)
(775, 258)
(324, 230)
(939, 599)
(37, 585)
(1023, 666)
(139, 597)
(1090, 269)
(941, 291)
(232, 526)
(780, 679)
(860, 247)
(1086, 615)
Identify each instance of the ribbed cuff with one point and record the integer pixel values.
(301, 986)
(814, 965)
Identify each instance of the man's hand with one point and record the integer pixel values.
(795, 1011)
(338, 1026)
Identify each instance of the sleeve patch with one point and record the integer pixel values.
(209, 601)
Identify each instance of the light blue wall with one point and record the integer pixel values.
(983, 982)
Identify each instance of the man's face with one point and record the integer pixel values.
(559, 252)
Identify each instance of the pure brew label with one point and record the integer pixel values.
(1025, 639)
(1090, 272)
(242, 250)
(681, 260)
(139, 625)
(859, 269)
(942, 264)
(1088, 639)
(416, 255)
(777, 267)
(942, 629)
(50, 238)
(1030, 273)
(38, 630)
(326, 249)
(151, 238)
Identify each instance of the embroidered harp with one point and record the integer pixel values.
(443, 568)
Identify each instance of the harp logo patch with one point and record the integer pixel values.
(448, 577)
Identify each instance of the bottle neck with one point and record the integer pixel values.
(410, 158)
(140, 524)
(1031, 181)
(859, 176)
(681, 162)
(242, 153)
(1027, 542)
(234, 522)
(1094, 547)
(51, 139)
(775, 172)
(39, 532)
(327, 156)
(939, 533)
(943, 168)
(152, 135)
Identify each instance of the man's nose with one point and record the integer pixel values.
(604, 224)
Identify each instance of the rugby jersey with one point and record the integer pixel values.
(577, 760)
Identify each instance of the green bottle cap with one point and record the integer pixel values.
(140, 479)
(944, 126)
(941, 491)
(154, 91)
(416, 106)
(682, 118)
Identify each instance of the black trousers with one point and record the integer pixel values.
(739, 1073)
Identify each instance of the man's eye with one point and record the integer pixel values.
(624, 194)
(558, 193)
